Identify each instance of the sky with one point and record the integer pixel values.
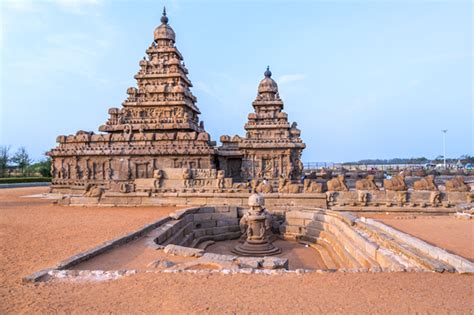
(363, 79)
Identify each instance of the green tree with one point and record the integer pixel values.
(22, 160)
(42, 167)
(4, 160)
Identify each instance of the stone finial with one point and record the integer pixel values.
(267, 73)
(164, 18)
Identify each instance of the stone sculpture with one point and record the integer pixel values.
(286, 186)
(402, 198)
(362, 197)
(256, 226)
(457, 184)
(187, 178)
(311, 186)
(264, 187)
(367, 183)
(396, 183)
(158, 176)
(426, 183)
(435, 198)
(93, 191)
(337, 184)
(220, 179)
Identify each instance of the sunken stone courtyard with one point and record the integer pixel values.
(151, 207)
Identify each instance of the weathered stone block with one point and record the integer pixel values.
(183, 251)
(274, 263)
(249, 262)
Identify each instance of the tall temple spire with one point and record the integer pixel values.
(164, 18)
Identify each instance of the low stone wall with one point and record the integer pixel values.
(273, 201)
(353, 200)
(410, 201)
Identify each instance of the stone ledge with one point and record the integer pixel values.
(461, 264)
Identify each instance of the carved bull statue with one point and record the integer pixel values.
(367, 183)
(264, 187)
(285, 186)
(311, 186)
(396, 183)
(241, 186)
(93, 191)
(426, 183)
(337, 184)
(457, 184)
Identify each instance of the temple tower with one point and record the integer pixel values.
(157, 127)
(272, 147)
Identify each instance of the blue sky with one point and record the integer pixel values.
(363, 79)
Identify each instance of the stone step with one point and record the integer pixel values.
(205, 244)
(179, 235)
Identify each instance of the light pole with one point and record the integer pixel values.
(444, 146)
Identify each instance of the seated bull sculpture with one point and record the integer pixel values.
(285, 186)
(396, 183)
(457, 184)
(426, 183)
(367, 183)
(93, 191)
(264, 187)
(337, 184)
(311, 186)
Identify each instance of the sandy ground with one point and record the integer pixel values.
(454, 235)
(35, 234)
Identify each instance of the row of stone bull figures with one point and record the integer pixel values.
(396, 183)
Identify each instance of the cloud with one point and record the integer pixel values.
(289, 78)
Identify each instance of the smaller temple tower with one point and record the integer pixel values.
(272, 147)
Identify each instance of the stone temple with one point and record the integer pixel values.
(154, 150)
(158, 128)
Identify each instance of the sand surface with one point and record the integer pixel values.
(454, 235)
(35, 234)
